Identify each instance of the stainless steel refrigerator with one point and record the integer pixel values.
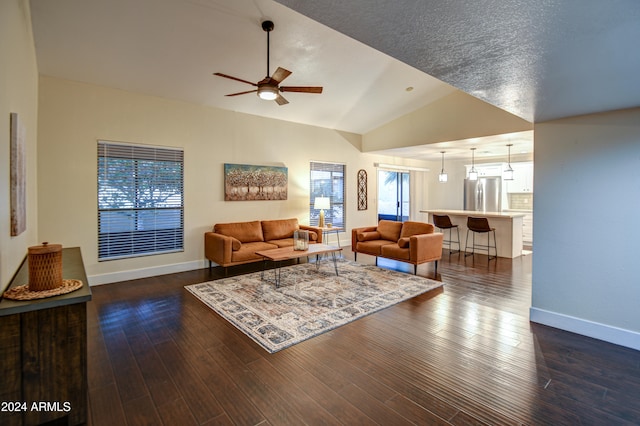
(483, 195)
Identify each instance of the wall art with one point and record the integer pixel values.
(244, 182)
(18, 176)
(362, 189)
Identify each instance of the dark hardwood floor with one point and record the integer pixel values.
(464, 355)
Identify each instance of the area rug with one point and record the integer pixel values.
(309, 301)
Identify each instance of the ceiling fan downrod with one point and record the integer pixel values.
(268, 27)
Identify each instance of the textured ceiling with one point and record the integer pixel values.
(538, 59)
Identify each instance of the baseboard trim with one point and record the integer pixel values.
(146, 272)
(607, 333)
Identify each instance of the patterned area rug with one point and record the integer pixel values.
(309, 301)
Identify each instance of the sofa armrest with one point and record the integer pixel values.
(313, 229)
(354, 235)
(218, 247)
(425, 247)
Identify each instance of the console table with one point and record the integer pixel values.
(43, 352)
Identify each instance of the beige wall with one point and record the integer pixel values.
(19, 94)
(73, 116)
(455, 117)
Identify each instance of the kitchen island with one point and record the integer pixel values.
(508, 227)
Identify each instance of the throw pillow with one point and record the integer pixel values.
(404, 242)
(235, 244)
(368, 236)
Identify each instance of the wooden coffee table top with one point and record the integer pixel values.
(286, 253)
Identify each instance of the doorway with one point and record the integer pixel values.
(393, 195)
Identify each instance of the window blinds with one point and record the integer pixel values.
(140, 200)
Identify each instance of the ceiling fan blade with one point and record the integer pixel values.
(219, 74)
(280, 75)
(281, 101)
(242, 93)
(301, 89)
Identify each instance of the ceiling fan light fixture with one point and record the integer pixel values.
(268, 93)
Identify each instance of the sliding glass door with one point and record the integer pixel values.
(393, 195)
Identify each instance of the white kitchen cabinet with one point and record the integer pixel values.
(522, 178)
(485, 170)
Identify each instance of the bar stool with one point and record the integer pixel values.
(443, 222)
(480, 225)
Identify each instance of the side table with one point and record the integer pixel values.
(327, 230)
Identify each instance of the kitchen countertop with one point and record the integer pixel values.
(503, 214)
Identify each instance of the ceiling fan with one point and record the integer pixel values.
(269, 88)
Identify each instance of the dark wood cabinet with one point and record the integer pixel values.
(43, 352)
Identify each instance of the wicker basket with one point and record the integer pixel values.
(45, 267)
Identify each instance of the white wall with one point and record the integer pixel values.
(586, 269)
(449, 195)
(73, 116)
(19, 94)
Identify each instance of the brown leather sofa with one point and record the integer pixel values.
(236, 243)
(411, 242)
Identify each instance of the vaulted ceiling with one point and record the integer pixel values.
(377, 61)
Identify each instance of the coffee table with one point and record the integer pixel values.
(287, 253)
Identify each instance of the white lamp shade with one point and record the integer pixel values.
(322, 203)
(473, 175)
(442, 177)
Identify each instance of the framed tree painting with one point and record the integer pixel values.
(243, 182)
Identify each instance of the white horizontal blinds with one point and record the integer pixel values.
(140, 200)
(327, 180)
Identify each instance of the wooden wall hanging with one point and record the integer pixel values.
(362, 189)
(18, 176)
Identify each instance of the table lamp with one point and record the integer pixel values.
(322, 203)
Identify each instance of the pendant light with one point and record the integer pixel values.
(508, 174)
(442, 177)
(473, 174)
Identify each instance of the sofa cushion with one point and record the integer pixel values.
(394, 251)
(389, 230)
(285, 242)
(415, 228)
(372, 247)
(248, 251)
(368, 236)
(279, 229)
(245, 232)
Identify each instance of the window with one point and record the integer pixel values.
(327, 180)
(140, 200)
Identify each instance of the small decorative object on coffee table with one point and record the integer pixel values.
(301, 240)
